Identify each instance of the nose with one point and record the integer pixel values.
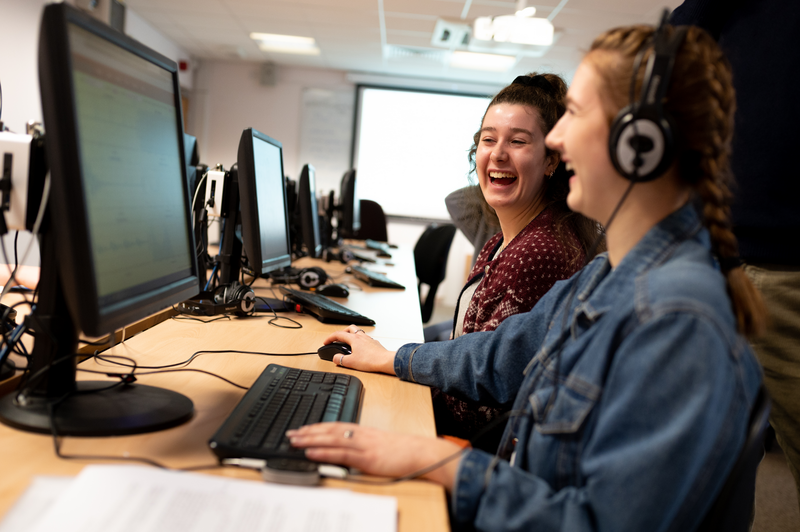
(499, 152)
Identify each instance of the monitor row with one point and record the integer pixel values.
(116, 241)
(269, 217)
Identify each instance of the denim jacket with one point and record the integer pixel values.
(654, 389)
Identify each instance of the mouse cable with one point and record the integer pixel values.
(184, 316)
(107, 358)
(273, 321)
(58, 440)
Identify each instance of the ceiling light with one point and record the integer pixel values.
(287, 44)
(527, 12)
(476, 61)
(514, 29)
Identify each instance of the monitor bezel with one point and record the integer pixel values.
(350, 213)
(248, 205)
(67, 199)
(308, 212)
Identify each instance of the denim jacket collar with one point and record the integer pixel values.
(653, 249)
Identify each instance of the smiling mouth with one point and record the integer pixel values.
(502, 178)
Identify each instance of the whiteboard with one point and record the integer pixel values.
(412, 148)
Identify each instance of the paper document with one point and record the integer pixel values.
(140, 499)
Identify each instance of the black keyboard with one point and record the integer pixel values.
(325, 310)
(281, 399)
(381, 247)
(374, 278)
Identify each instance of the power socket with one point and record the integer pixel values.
(15, 161)
(215, 189)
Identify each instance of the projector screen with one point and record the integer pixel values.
(411, 148)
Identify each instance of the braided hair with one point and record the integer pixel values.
(701, 101)
(547, 94)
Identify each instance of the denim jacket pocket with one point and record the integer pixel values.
(570, 407)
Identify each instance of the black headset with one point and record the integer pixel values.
(344, 256)
(242, 295)
(307, 278)
(642, 141)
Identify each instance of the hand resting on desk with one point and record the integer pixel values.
(367, 353)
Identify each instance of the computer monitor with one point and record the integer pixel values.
(116, 244)
(262, 197)
(349, 206)
(307, 214)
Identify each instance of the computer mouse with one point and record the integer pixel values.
(333, 290)
(327, 352)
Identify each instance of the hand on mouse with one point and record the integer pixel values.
(367, 353)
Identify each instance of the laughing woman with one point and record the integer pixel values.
(541, 240)
(631, 383)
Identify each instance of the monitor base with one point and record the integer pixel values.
(97, 410)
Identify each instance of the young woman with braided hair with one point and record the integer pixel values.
(631, 382)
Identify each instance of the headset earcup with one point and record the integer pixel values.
(247, 302)
(312, 277)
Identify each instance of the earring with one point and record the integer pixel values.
(552, 173)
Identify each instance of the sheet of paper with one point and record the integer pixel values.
(40, 495)
(140, 499)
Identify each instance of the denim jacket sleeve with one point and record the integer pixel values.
(653, 452)
(482, 366)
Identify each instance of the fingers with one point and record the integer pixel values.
(324, 435)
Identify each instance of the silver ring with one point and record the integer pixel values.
(348, 434)
(359, 331)
(341, 361)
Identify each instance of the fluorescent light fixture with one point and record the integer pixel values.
(527, 12)
(488, 62)
(514, 29)
(286, 44)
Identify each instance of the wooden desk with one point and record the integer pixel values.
(389, 403)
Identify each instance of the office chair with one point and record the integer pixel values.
(373, 222)
(430, 259)
(733, 508)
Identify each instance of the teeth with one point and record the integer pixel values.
(501, 175)
(568, 166)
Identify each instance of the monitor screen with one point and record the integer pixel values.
(307, 213)
(262, 197)
(349, 205)
(117, 245)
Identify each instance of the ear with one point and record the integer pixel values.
(552, 162)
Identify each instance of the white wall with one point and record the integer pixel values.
(19, 77)
(228, 97)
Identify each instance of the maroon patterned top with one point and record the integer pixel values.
(509, 284)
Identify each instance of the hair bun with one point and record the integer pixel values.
(538, 81)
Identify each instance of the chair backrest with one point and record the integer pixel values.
(373, 222)
(430, 259)
(732, 510)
